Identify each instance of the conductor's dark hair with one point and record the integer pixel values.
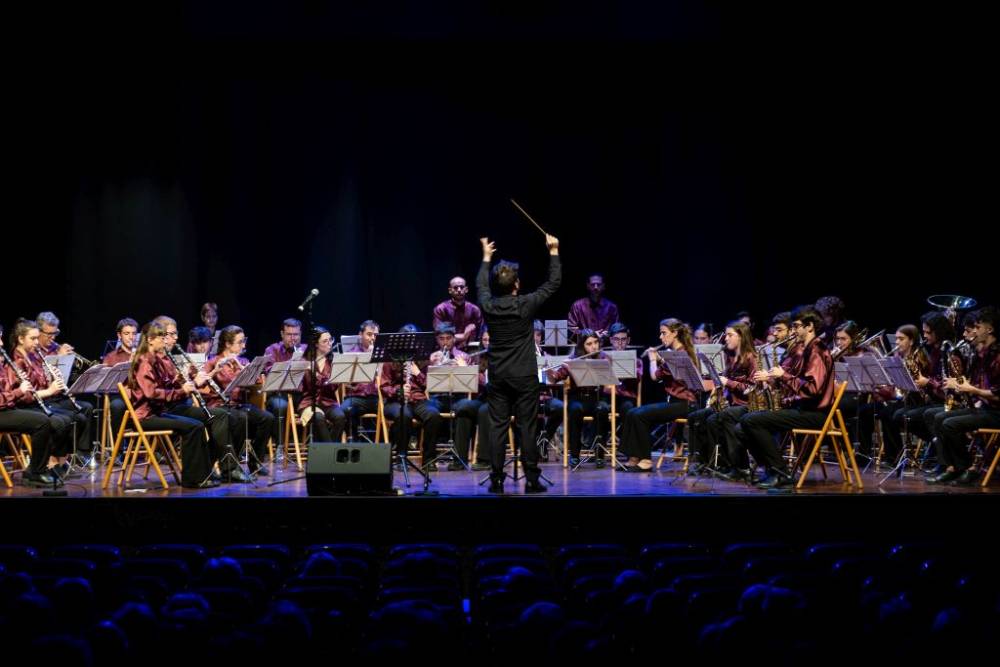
(505, 276)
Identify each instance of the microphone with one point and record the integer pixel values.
(312, 295)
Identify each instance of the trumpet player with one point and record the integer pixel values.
(464, 408)
(52, 390)
(636, 428)
(892, 411)
(320, 404)
(48, 331)
(247, 422)
(982, 386)
(126, 332)
(806, 380)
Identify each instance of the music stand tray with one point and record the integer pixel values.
(90, 381)
(352, 368)
(591, 372)
(683, 370)
(622, 363)
(286, 376)
(712, 353)
(452, 379)
(556, 333)
(247, 377)
(842, 373)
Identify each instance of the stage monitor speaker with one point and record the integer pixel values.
(355, 468)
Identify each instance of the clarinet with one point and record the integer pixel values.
(213, 385)
(195, 397)
(23, 377)
(56, 374)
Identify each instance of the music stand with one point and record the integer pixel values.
(452, 379)
(286, 377)
(593, 373)
(683, 370)
(347, 341)
(842, 373)
(623, 363)
(352, 368)
(556, 334)
(247, 378)
(900, 377)
(711, 353)
(401, 349)
(62, 362)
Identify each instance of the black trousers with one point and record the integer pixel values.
(700, 439)
(517, 396)
(248, 422)
(196, 460)
(724, 427)
(427, 413)
(484, 448)
(328, 424)
(354, 407)
(38, 426)
(553, 411)
(954, 430)
(759, 429)
(466, 415)
(219, 443)
(587, 404)
(61, 421)
(917, 422)
(639, 423)
(82, 419)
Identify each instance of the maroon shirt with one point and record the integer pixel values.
(155, 387)
(226, 374)
(362, 389)
(392, 379)
(116, 356)
(327, 393)
(11, 395)
(808, 382)
(738, 381)
(35, 372)
(461, 316)
(584, 314)
(278, 351)
(674, 387)
(985, 374)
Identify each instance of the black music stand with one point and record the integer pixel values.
(401, 349)
(900, 376)
(247, 378)
(685, 372)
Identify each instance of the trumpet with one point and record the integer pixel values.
(83, 362)
(56, 374)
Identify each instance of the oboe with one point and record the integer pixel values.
(56, 374)
(22, 376)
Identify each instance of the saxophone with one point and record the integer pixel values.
(776, 395)
(951, 368)
(759, 396)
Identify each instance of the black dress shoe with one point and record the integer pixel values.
(944, 477)
(206, 484)
(40, 479)
(496, 486)
(775, 480)
(455, 465)
(967, 478)
(237, 475)
(534, 486)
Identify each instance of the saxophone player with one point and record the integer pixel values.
(806, 380)
(716, 424)
(246, 421)
(983, 389)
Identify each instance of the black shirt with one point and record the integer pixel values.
(510, 319)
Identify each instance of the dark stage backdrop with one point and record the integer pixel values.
(706, 159)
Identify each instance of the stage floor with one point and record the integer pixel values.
(587, 481)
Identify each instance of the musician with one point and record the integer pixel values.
(466, 317)
(549, 404)
(594, 313)
(155, 387)
(936, 329)
(539, 331)
(283, 350)
(805, 378)
(892, 410)
(583, 401)
(638, 423)
(29, 358)
(220, 447)
(247, 422)
(846, 344)
(48, 330)
(716, 424)
(627, 392)
(210, 318)
(483, 453)
(513, 367)
(465, 409)
(831, 309)
(362, 397)
(392, 381)
(702, 334)
(982, 387)
(126, 332)
(319, 398)
(199, 341)
(17, 417)
(746, 318)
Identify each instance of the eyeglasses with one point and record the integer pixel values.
(170, 334)
(50, 333)
(798, 325)
(620, 339)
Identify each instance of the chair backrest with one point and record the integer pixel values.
(130, 411)
(838, 393)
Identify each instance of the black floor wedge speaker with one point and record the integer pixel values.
(354, 468)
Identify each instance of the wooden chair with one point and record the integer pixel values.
(16, 454)
(679, 447)
(612, 416)
(991, 438)
(139, 440)
(835, 429)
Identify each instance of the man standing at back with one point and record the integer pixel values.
(467, 317)
(513, 387)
